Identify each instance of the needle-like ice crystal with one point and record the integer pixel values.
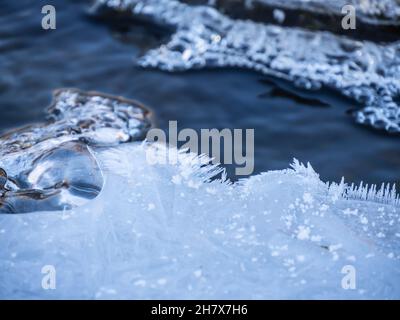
(171, 230)
(166, 231)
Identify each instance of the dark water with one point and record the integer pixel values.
(91, 55)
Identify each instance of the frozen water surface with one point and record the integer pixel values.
(166, 231)
(169, 230)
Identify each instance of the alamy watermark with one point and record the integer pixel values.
(350, 19)
(49, 278)
(49, 20)
(237, 146)
(349, 279)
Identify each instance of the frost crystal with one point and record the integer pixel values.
(261, 238)
(204, 37)
(370, 11)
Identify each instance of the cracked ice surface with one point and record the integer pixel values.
(167, 231)
(364, 71)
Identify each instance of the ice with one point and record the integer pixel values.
(48, 165)
(181, 230)
(370, 11)
(362, 70)
(92, 117)
(171, 231)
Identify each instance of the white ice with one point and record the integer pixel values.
(365, 71)
(166, 231)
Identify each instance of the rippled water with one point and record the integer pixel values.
(95, 55)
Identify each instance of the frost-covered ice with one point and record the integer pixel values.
(93, 117)
(48, 165)
(364, 71)
(167, 231)
(370, 11)
(373, 12)
(170, 230)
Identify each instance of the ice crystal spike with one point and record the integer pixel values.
(154, 226)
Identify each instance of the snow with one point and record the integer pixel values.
(280, 234)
